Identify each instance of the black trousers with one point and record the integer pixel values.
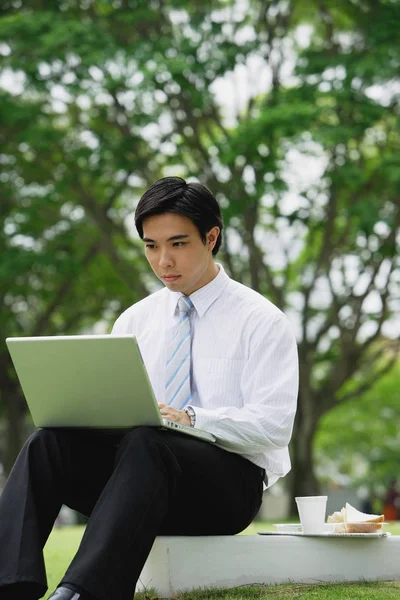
(133, 487)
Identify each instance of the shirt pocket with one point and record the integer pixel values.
(218, 382)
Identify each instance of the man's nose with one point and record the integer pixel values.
(165, 259)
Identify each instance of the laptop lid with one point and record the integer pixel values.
(85, 381)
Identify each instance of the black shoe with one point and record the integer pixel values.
(63, 593)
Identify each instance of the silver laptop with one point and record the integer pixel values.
(87, 381)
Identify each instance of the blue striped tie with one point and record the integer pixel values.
(177, 392)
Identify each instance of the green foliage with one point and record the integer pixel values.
(361, 439)
(114, 95)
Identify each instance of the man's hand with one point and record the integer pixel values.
(173, 414)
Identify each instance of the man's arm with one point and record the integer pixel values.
(269, 387)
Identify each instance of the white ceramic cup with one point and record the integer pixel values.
(312, 511)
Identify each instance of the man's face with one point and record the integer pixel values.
(177, 254)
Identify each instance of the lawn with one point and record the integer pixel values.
(63, 543)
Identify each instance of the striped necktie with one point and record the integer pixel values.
(177, 393)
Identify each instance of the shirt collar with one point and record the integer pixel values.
(204, 297)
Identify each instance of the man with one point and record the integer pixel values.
(221, 358)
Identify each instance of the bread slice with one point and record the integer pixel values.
(363, 527)
(352, 515)
(351, 520)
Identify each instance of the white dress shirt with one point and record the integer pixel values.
(244, 368)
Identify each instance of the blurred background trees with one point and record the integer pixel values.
(288, 111)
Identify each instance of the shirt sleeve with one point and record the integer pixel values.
(124, 324)
(269, 387)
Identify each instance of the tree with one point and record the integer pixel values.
(56, 245)
(115, 95)
(351, 259)
(359, 441)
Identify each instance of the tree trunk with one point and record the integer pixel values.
(302, 480)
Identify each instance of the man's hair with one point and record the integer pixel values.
(175, 195)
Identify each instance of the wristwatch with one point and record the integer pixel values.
(189, 410)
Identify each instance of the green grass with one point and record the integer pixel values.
(63, 543)
(364, 591)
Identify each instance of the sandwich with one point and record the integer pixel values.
(351, 520)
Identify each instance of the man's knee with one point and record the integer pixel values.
(49, 442)
(40, 438)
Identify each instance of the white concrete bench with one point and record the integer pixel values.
(178, 563)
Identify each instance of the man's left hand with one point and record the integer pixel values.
(173, 414)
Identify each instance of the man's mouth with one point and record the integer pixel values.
(170, 277)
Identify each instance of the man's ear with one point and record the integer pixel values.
(212, 237)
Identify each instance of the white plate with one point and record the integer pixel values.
(327, 534)
(296, 527)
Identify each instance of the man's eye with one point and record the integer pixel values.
(150, 246)
(179, 244)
